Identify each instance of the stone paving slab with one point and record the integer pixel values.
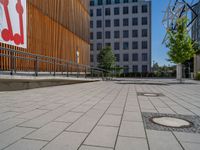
(97, 116)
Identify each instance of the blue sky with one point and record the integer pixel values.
(159, 51)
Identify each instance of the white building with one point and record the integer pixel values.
(125, 25)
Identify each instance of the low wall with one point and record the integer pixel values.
(23, 84)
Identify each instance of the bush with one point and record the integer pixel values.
(198, 76)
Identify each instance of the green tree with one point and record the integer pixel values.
(180, 45)
(106, 59)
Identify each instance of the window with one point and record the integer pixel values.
(98, 58)
(125, 22)
(134, 57)
(125, 34)
(116, 46)
(135, 33)
(99, 46)
(116, 22)
(107, 11)
(107, 35)
(116, 11)
(126, 69)
(99, 24)
(117, 57)
(125, 57)
(144, 21)
(144, 56)
(108, 2)
(91, 47)
(134, 9)
(91, 35)
(144, 45)
(99, 35)
(91, 3)
(134, 1)
(144, 9)
(126, 1)
(135, 21)
(135, 68)
(117, 1)
(144, 68)
(107, 23)
(100, 2)
(116, 34)
(125, 10)
(99, 13)
(91, 58)
(91, 24)
(135, 45)
(108, 44)
(125, 45)
(91, 13)
(144, 33)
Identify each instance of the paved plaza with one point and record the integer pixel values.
(98, 116)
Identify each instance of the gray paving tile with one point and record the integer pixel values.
(69, 117)
(25, 144)
(191, 146)
(93, 148)
(110, 120)
(7, 115)
(87, 122)
(32, 114)
(12, 135)
(49, 131)
(51, 106)
(125, 143)
(188, 137)
(114, 111)
(66, 141)
(46, 118)
(102, 136)
(132, 129)
(10, 123)
(162, 140)
(132, 116)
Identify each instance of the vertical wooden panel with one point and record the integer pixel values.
(56, 28)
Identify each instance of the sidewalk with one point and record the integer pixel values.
(98, 116)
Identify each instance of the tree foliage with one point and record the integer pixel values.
(106, 59)
(180, 43)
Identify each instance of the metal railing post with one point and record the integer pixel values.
(77, 71)
(11, 62)
(67, 70)
(85, 72)
(36, 66)
(54, 67)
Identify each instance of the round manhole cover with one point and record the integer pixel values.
(150, 94)
(171, 122)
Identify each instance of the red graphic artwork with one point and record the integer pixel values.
(7, 33)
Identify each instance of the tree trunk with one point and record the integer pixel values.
(179, 72)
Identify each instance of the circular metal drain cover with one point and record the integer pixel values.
(150, 94)
(171, 122)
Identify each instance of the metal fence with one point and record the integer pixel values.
(15, 62)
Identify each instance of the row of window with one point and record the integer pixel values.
(116, 22)
(125, 34)
(117, 10)
(108, 2)
(135, 45)
(135, 57)
(135, 68)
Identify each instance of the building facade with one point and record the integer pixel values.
(55, 28)
(196, 37)
(125, 25)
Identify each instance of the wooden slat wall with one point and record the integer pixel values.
(56, 28)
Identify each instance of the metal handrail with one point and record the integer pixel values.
(53, 61)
